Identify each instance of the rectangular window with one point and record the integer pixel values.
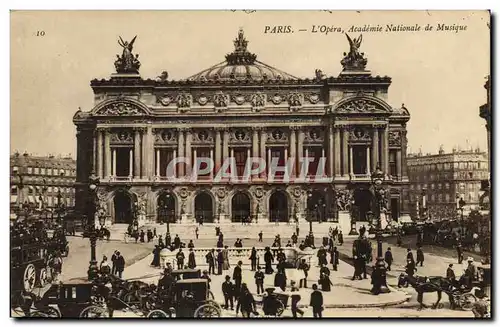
(359, 159)
(392, 163)
(42, 171)
(166, 156)
(30, 170)
(202, 153)
(240, 156)
(280, 154)
(315, 153)
(122, 162)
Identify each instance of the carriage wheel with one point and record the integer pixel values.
(48, 313)
(215, 304)
(131, 299)
(29, 277)
(466, 301)
(207, 311)
(157, 314)
(280, 307)
(94, 311)
(43, 278)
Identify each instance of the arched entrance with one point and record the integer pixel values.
(165, 208)
(316, 206)
(204, 207)
(362, 204)
(278, 207)
(123, 208)
(240, 207)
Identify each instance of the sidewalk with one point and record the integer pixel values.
(345, 292)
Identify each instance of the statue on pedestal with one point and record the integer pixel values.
(354, 60)
(127, 63)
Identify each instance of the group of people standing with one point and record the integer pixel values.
(117, 265)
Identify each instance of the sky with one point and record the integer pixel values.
(438, 75)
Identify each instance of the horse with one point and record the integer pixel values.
(433, 284)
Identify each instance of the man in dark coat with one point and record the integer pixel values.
(305, 268)
(316, 302)
(180, 259)
(191, 259)
(420, 257)
(156, 257)
(149, 236)
(260, 236)
(294, 239)
(280, 279)
(450, 274)
(334, 258)
(141, 236)
(259, 280)
(177, 241)
(113, 261)
(253, 259)
(410, 267)
(120, 264)
(220, 262)
(388, 258)
(210, 257)
(161, 245)
(228, 292)
(168, 240)
(190, 244)
(460, 255)
(409, 255)
(340, 238)
(237, 276)
(324, 278)
(322, 256)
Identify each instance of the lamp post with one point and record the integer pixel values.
(59, 206)
(424, 204)
(91, 211)
(310, 237)
(460, 207)
(377, 181)
(353, 230)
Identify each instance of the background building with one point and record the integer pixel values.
(37, 182)
(438, 181)
(485, 111)
(239, 108)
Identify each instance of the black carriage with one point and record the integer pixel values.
(29, 266)
(183, 274)
(192, 298)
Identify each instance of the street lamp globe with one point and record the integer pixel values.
(377, 176)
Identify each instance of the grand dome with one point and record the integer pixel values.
(241, 65)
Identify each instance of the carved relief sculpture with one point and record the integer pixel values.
(184, 101)
(258, 101)
(357, 105)
(221, 101)
(344, 199)
(394, 138)
(359, 134)
(295, 100)
(120, 108)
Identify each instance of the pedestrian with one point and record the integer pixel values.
(450, 274)
(220, 262)
(259, 280)
(399, 241)
(205, 276)
(161, 245)
(180, 259)
(168, 240)
(246, 302)
(120, 264)
(113, 263)
(253, 259)
(388, 258)
(228, 292)
(302, 245)
(154, 232)
(56, 265)
(149, 236)
(210, 258)
(196, 232)
(460, 253)
(141, 236)
(410, 268)
(237, 276)
(156, 257)
(340, 237)
(305, 271)
(225, 257)
(295, 296)
(420, 257)
(177, 241)
(324, 279)
(295, 239)
(316, 302)
(334, 258)
(321, 256)
(268, 259)
(104, 266)
(297, 230)
(409, 255)
(280, 279)
(288, 244)
(357, 268)
(191, 259)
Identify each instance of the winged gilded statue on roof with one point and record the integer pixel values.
(354, 60)
(127, 63)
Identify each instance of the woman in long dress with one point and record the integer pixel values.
(268, 259)
(191, 259)
(225, 257)
(324, 279)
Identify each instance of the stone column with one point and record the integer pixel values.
(404, 146)
(195, 156)
(180, 151)
(137, 153)
(263, 137)
(99, 154)
(338, 152)
(94, 152)
(345, 152)
(189, 138)
(212, 159)
(157, 162)
(375, 157)
(385, 150)
(150, 148)
(225, 146)
(107, 153)
(399, 164)
(217, 149)
(175, 156)
(143, 155)
(351, 162)
(131, 163)
(368, 160)
(293, 147)
(113, 160)
(300, 150)
(331, 152)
